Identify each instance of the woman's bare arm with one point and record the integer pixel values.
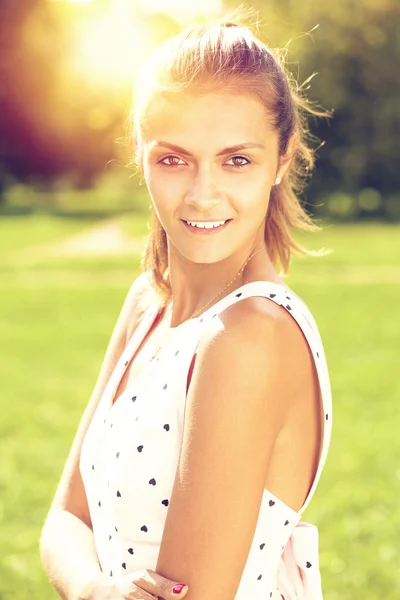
(245, 382)
(66, 545)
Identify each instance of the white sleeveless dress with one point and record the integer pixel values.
(131, 450)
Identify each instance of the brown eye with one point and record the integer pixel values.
(172, 162)
(239, 158)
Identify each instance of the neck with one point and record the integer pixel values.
(196, 287)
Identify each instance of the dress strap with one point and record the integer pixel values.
(285, 297)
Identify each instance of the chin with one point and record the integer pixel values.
(203, 258)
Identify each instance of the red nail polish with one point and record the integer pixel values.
(178, 588)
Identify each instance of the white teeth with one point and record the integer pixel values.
(204, 225)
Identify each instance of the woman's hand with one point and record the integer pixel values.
(140, 585)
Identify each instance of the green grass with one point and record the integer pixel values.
(56, 315)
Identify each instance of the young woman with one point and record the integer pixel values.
(209, 426)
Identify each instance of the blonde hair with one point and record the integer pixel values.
(227, 56)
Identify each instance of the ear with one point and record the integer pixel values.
(285, 159)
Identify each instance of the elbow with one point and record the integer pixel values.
(51, 534)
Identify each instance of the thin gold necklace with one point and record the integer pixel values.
(158, 347)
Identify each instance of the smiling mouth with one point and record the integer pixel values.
(209, 225)
(205, 227)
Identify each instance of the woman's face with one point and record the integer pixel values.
(194, 172)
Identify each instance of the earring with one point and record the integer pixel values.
(277, 180)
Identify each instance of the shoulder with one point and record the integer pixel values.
(246, 326)
(138, 289)
(256, 324)
(137, 301)
(259, 338)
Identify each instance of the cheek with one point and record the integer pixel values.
(252, 194)
(165, 196)
(163, 187)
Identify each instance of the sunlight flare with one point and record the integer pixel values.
(110, 47)
(181, 10)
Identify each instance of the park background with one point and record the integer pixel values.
(74, 218)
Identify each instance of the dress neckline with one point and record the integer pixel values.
(146, 324)
(214, 306)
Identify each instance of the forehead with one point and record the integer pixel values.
(223, 118)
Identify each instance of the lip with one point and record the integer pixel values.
(204, 231)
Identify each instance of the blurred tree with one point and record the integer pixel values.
(55, 122)
(43, 133)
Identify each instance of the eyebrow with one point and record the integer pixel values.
(228, 150)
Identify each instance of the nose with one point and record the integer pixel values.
(203, 193)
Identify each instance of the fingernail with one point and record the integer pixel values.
(178, 588)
